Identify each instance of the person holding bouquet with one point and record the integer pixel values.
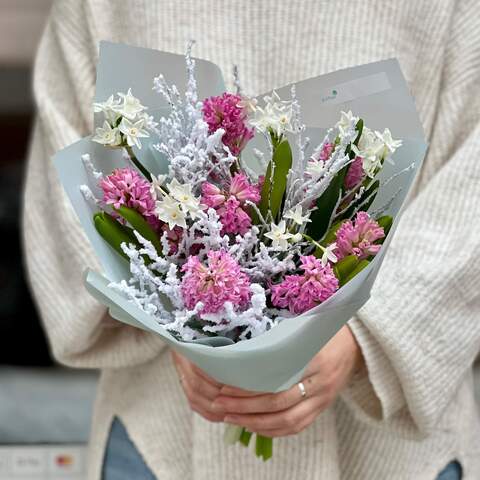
(391, 395)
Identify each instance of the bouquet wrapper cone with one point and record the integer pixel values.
(275, 360)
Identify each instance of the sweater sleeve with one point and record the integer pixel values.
(419, 332)
(57, 252)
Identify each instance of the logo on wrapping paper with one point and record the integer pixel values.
(331, 96)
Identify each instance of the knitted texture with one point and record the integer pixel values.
(419, 333)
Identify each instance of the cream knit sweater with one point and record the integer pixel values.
(419, 333)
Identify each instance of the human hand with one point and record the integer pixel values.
(199, 388)
(288, 412)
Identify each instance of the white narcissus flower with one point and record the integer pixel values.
(168, 210)
(133, 131)
(297, 237)
(279, 236)
(131, 106)
(347, 119)
(276, 115)
(108, 108)
(388, 143)
(107, 135)
(183, 194)
(369, 148)
(296, 215)
(156, 186)
(328, 254)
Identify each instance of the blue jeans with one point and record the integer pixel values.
(124, 462)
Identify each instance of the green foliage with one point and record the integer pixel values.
(331, 235)
(138, 223)
(328, 200)
(263, 447)
(386, 223)
(326, 203)
(361, 265)
(345, 267)
(273, 189)
(113, 232)
(369, 192)
(245, 437)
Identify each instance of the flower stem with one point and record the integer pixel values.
(137, 163)
(232, 434)
(264, 447)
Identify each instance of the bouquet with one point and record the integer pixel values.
(226, 225)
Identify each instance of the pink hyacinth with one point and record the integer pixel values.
(230, 204)
(220, 280)
(326, 151)
(224, 112)
(358, 237)
(124, 186)
(355, 173)
(300, 293)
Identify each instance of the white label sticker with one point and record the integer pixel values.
(360, 87)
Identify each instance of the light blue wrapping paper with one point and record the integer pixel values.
(275, 360)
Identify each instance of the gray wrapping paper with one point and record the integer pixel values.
(275, 360)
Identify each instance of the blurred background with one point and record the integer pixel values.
(45, 410)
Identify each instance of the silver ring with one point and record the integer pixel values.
(301, 387)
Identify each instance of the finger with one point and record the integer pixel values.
(287, 419)
(190, 375)
(267, 402)
(212, 417)
(201, 403)
(206, 377)
(264, 403)
(287, 432)
(232, 391)
(198, 386)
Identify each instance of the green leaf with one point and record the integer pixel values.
(386, 223)
(372, 190)
(361, 265)
(245, 437)
(359, 128)
(326, 203)
(331, 235)
(274, 189)
(139, 224)
(345, 266)
(264, 447)
(113, 232)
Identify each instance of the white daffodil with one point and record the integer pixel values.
(347, 120)
(315, 168)
(276, 115)
(296, 216)
(108, 108)
(107, 135)
(133, 131)
(156, 186)
(279, 235)
(328, 254)
(168, 210)
(297, 237)
(183, 194)
(389, 145)
(370, 149)
(131, 106)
